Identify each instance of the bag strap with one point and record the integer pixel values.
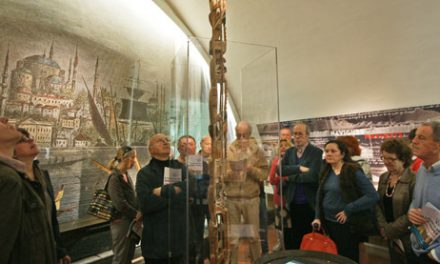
(320, 231)
(108, 179)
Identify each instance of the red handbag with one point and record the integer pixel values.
(318, 242)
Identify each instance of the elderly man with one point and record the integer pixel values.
(186, 145)
(286, 133)
(161, 192)
(301, 164)
(426, 146)
(247, 168)
(25, 231)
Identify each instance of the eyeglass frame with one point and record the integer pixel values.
(25, 139)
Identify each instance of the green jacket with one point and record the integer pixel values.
(25, 232)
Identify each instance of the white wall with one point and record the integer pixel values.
(338, 56)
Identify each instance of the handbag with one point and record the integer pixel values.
(318, 242)
(101, 204)
(134, 231)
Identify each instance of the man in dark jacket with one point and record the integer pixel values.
(161, 192)
(25, 232)
(301, 164)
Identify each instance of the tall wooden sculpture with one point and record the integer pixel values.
(218, 225)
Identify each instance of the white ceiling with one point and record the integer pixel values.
(338, 56)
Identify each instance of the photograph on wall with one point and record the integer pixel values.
(370, 128)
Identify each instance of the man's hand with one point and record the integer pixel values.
(382, 233)
(415, 216)
(303, 169)
(156, 191)
(65, 260)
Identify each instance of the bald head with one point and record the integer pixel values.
(159, 146)
(243, 130)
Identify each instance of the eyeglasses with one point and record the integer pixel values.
(242, 135)
(25, 139)
(388, 159)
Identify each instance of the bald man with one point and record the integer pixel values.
(247, 169)
(163, 205)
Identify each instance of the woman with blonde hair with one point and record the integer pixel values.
(125, 207)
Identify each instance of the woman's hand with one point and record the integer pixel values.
(341, 217)
(138, 217)
(382, 233)
(316, 224)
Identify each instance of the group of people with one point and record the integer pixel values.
(336, 194)
(169, 198)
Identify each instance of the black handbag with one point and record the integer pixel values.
(101, 204)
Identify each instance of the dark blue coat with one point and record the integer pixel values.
(312, 159)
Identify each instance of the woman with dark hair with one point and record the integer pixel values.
(343, 194)
(125, 207)
(26, 150)
(395, 192)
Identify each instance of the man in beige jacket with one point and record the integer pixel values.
(247, 168)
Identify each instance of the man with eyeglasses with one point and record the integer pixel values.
(426, 146)
(301, 164)
(161, 191)
(247, 169)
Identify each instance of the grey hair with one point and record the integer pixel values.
(303, 124)
(245, 123)
(435, 125)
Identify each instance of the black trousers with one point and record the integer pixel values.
(347, 243)
(200, 212)
(174, 260)
(301, 216)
